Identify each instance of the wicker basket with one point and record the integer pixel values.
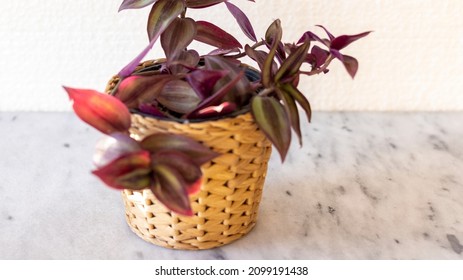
(226, 207)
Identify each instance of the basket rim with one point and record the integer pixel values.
(243, 111)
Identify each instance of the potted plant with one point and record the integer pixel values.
(189, 136)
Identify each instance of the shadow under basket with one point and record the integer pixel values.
(226, 207)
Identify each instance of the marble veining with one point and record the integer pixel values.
(364, 186)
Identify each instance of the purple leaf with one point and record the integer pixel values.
(162, 14)
(272, 119)
(162, 141)
(343, 41)
(190, 172)
(151, 109)
(320, 56)
(104, 112)
(327, 32)
(310, 36)
(218, 97)
(351, 65)
(185, 62)
(239, 93)
(130, 171)
(136, 90)
(243, 21)
(216, 111)
(213, 35)
(135, 4)
(113, 146)
(177, 37)
(337, 54)
(171, 190)
(203, 81)
(178, 96)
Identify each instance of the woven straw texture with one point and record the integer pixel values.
(226, 206)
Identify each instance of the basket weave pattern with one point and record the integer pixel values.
(226, 207)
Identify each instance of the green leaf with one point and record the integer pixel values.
(292, 111)
(272, 119)
(292, 64)
(177, 37)
(273, 36)
(171, 190)
(299, 97)
(162, 14)
(163, 141)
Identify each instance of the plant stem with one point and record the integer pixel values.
(243, 54)
(321, 69)
(183, 13)
(267, 92)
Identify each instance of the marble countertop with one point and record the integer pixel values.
(364, 186)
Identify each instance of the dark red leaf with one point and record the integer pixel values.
(351, 65)
(343, 41)
(320, 56)
(151, 109)
(239, 93)
(203, 81)
(136, 90)
(330, 36)
(102, 111)
(171, 190)
(218, 97)
(162, 141)
(131, 171)
(213, 35)
(190, 172)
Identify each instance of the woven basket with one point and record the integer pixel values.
(226, 207)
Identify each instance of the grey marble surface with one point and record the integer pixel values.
(364, 186)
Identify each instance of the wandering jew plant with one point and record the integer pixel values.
(187, 86)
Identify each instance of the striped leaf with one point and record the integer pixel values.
(272, 119)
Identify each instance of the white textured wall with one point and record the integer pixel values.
(413, 61)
